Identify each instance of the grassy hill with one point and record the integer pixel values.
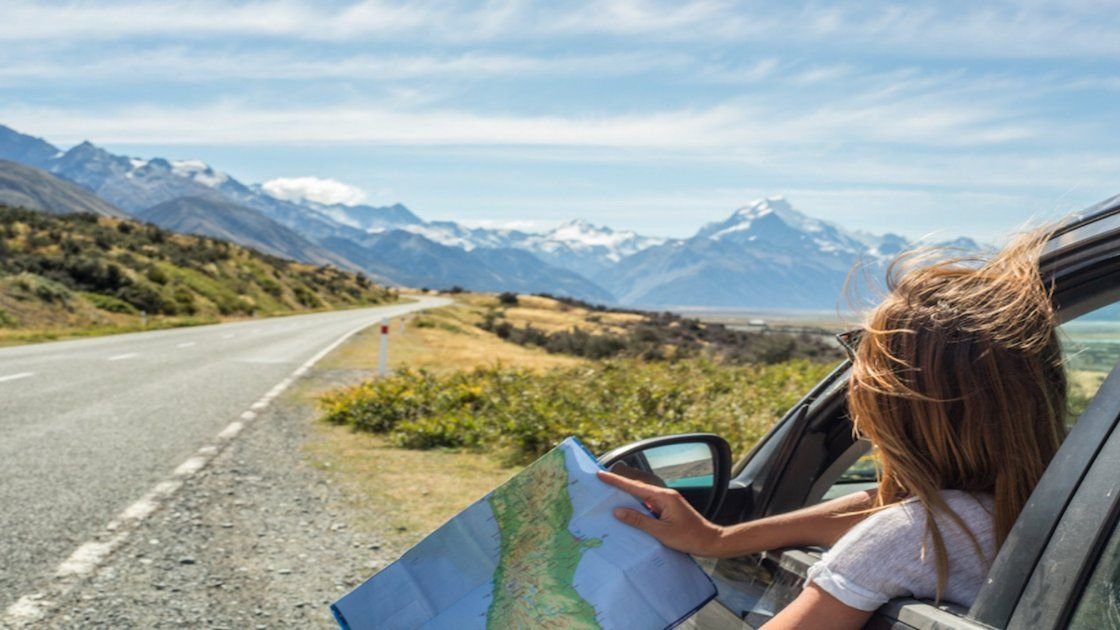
(29, 187)
(63, 274)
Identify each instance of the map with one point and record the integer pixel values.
(541, 551)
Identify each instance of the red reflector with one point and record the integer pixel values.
(384, 330)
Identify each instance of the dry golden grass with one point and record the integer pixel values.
(443, 340)
(402, 494)
(551, 316)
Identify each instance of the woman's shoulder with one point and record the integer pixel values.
(887, 554)
(974, 508)
(901, 528)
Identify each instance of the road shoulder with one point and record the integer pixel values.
(259, 538)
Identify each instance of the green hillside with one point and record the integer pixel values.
(77, 271)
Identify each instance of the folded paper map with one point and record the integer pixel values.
(543, 550)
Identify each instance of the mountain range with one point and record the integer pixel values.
(765, 255)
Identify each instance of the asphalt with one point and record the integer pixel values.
(89, 426)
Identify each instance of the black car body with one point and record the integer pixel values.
(1060, 566)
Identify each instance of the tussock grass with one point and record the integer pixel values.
(402, 494)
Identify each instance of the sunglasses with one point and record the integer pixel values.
(849, 341)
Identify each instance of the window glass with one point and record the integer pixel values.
(1090, 348)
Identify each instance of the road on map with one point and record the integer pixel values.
(88, 426)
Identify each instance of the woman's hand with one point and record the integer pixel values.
(677, 525)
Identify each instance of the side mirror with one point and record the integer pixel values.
(698, 465)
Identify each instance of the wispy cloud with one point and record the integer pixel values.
(744, 125)
(184, 64)
(1001, 29)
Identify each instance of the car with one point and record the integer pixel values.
(1060, 565)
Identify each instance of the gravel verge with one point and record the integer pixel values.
(257, 539)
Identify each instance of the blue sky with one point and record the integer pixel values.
(946, 118)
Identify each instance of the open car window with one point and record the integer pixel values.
(756, 587)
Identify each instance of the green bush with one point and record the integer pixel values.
(525, 413)
(109, 303)
(45, 289)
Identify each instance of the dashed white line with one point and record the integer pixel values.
(186, 344)
(16, 377)
(85, 560)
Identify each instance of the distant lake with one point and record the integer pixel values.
(743, 318)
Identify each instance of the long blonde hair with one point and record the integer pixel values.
(958, 382)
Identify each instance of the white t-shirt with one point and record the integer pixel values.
(890, 554)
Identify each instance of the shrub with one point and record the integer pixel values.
(43, 288)
(525, 413)
(155, 274)
(507, 298)
(109, 303)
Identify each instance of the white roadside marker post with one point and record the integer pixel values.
(383, 363)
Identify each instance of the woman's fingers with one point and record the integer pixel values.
(634, 518)
(642, 491)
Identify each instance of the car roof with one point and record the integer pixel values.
(1098, 222)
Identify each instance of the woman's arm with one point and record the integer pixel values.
(680, 527)
(815, 608)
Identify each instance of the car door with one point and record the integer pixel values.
(805, 455)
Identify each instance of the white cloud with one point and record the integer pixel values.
(185, 64)
(522, 225)
(317, 189)
(755, 125)
(1008, 29)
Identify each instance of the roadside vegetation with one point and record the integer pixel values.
(520, 413)
(80, 274)
(465, 407)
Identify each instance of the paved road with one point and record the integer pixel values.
(88, 426)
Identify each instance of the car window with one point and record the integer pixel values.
(1090, 348)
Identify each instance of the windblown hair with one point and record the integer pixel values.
(958, 382)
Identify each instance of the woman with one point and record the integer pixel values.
(957, 382)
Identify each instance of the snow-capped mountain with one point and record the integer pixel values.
(765, 254)
(585, 248)
(774, 221)
(184, 190)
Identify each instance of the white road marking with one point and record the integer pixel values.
(29, 609)
(191, 466)
(121, 357)
(16, 377)
(86, 558)
(186, 344)
(231, 431)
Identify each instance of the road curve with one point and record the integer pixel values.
(89, 426)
